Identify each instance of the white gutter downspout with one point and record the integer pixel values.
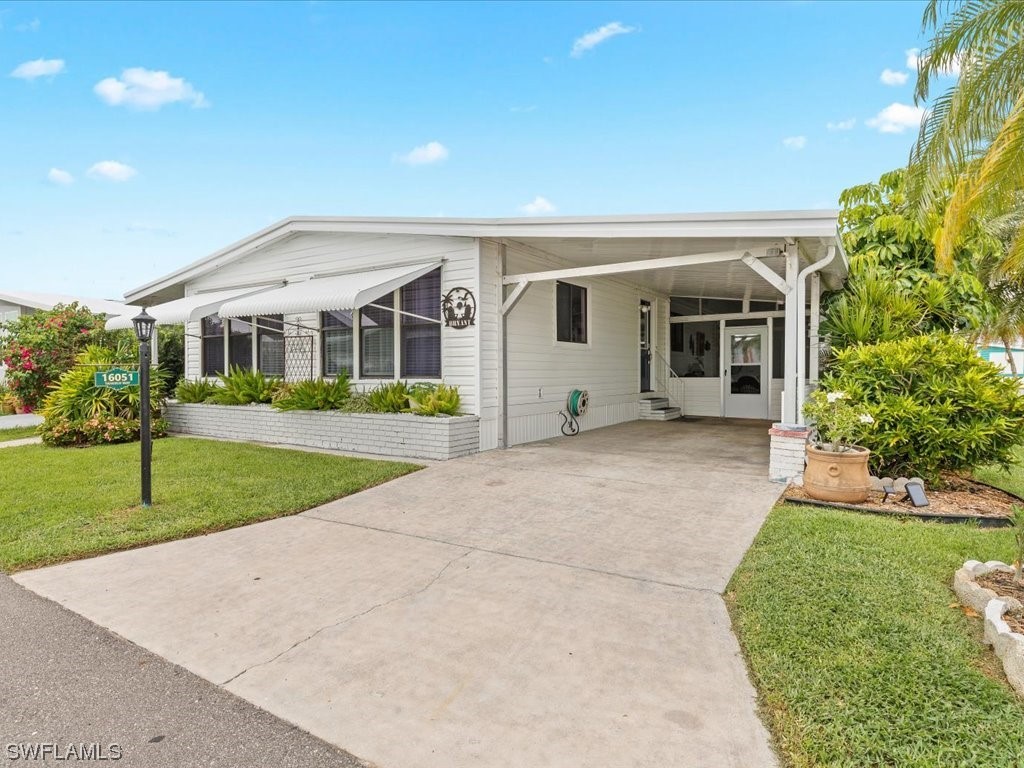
(801, 357)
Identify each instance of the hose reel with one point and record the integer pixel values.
(575, 406)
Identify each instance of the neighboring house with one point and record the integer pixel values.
(701, 309)
(997, 354)
(13, 304)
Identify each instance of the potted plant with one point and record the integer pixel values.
(837, 470)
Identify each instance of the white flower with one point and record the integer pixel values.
(833, 396)
(865, 418)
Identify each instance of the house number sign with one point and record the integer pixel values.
(116, 378)
(459, 308)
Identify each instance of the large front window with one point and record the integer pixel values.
(414, 352)
(265, 344)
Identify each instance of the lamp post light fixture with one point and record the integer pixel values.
(144, 324)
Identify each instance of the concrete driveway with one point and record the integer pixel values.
(556, 604)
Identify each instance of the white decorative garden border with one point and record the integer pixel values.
(1008, 645)
(398, 435)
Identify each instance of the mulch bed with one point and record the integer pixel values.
(1002, 584)
(960, 499)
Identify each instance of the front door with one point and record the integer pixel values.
(746, 372)
(645, 346)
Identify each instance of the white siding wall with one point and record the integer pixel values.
(302, 255)
(541, 372)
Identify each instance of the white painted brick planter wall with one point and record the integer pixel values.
(400, 435)
(788, 453)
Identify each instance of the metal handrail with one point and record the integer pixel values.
(666, 389)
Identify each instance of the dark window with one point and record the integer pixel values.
(571, 313)
(239, 343)
(684, 306)
(336, 342)
(421, 327)
(765, 306)
(720, 306)
(212, 334)
(270, 344)
(377, 339)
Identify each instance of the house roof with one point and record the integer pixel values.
(35, 300)
(807, 224)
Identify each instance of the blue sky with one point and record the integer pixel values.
(138, 137)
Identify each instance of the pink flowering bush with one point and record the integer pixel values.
(38, 348)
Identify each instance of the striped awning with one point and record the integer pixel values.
(189, 308)
(323, 294)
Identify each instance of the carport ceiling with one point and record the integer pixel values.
(729, 279)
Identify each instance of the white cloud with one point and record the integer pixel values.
(112, 171)
(893, 77)
(60, 176)
(794, 142)
(597, 36)
(538, 205)
(431, 152)
(30, 70)
(28, 26)
(841, 125)
(914, 58)
(142, 88)
(896, 118)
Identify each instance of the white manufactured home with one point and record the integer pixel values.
(711, 314)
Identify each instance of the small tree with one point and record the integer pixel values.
(38, 348)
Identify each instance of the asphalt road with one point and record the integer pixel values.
(65, 681)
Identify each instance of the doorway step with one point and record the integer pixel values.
(655, 408)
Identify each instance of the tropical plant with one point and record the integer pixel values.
(434, 400)
(392, 397)
(242, 386)
(171, 353)
(836, 420)
(357, 402)
(38, 348)
(936, 406)
(972, 138)
(198, 391)
(8, 401)
(894, 289)
(313, 395)
(77, 412)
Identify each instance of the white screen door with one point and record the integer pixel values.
(746, 372)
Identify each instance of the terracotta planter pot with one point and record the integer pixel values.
(832, 476)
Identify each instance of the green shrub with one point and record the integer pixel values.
(96, 431)
(77, 412)
(242, 386)
(198, 391)
(434, 400)
(937, 406)
(314, 395)
(389, 398)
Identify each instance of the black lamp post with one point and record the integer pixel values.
(144, 324)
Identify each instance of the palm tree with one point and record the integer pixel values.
(973, 136)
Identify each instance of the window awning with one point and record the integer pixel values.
(189, 308)
(323, 294)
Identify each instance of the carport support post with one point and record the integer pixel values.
(793, 336)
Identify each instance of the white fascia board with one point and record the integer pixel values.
(766, 224)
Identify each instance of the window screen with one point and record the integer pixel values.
(270, 344)
(212, 334)
(377, 339)
(421, 328)
(336, 342)
(239, 343)
(571, 313)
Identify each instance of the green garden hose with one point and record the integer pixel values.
(575, 406)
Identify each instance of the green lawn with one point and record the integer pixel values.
(858, 649)
(17, 433)
(65, 503)
(1012, 481)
